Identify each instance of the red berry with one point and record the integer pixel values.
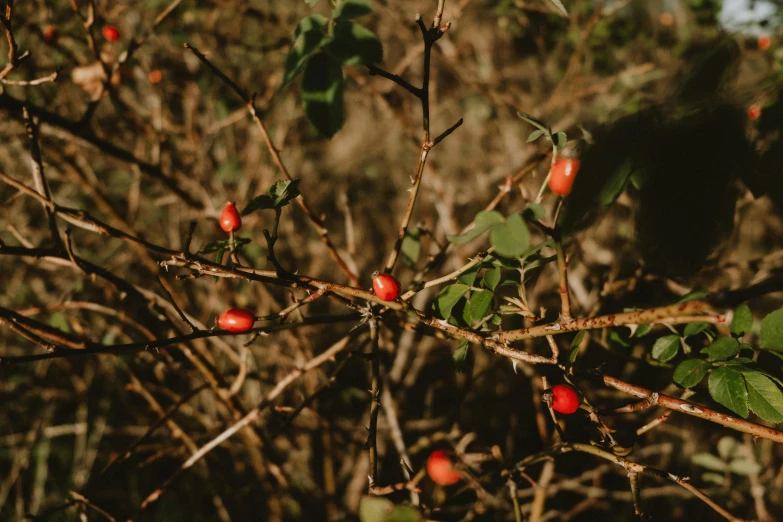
(50, 33)
(754, 111)
(237, 320)
(561, 179)
(386, 286)
(111, 33)
(441, 469)
(764, 42)
(230, 220)
(565, 399)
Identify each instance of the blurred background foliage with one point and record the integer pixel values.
(654, 95)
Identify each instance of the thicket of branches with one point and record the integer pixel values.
(361, 137)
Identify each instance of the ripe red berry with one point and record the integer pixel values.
(50, 33)
(561, 179)
(441, 469)
(565, 399)
(237, 320)
(111, 33)
(764, 42)
(754, 111)
(230, 220)
(386, 286)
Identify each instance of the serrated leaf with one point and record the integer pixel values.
(560, 140)
(479, 305)
(511, 238)
(771, 336)
(666, 348)
(727, 387)
(353, 44)
(461, 354)
(709, 461)
(695, 328)
(722, 348)
(448, 297)
(469, 276)
(349, 9)
(690, 372)
(766, 399)
(535, 122)
(309, 34)
(742, 321)
(535, 135)
(483, 222)
(322, 94)
(560, 6)
(492, 278)
(411, 247)
(374, 509)
(573, 349)
(280, 194)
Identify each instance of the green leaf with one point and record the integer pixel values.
(308, 37)
(535, 135)
(280, 194)
(715, 478)
(469, 277)
(666, 348)
(642, 330)
(744, 466)
(533, 212)
(374, 509)
(222, 244)
(534, 122)
(727, 446)
(58, 320)
(560, 6)
(461, 354)
(573, 350)
(727, 387)
(709, 461)
(618, 338)
(742, 322)
(311, 3)
(479, 305)
(411, 247)
(693, 296)
(771, 336)
(403, 514)
(560, 140)
(483, 222)
(492, 278)
(695, 328)
(349, 9)
(322, 94)
(722, 348)
(766, 399)
(512, 238)
(353, 44)
(690, 372)
(448, 297)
